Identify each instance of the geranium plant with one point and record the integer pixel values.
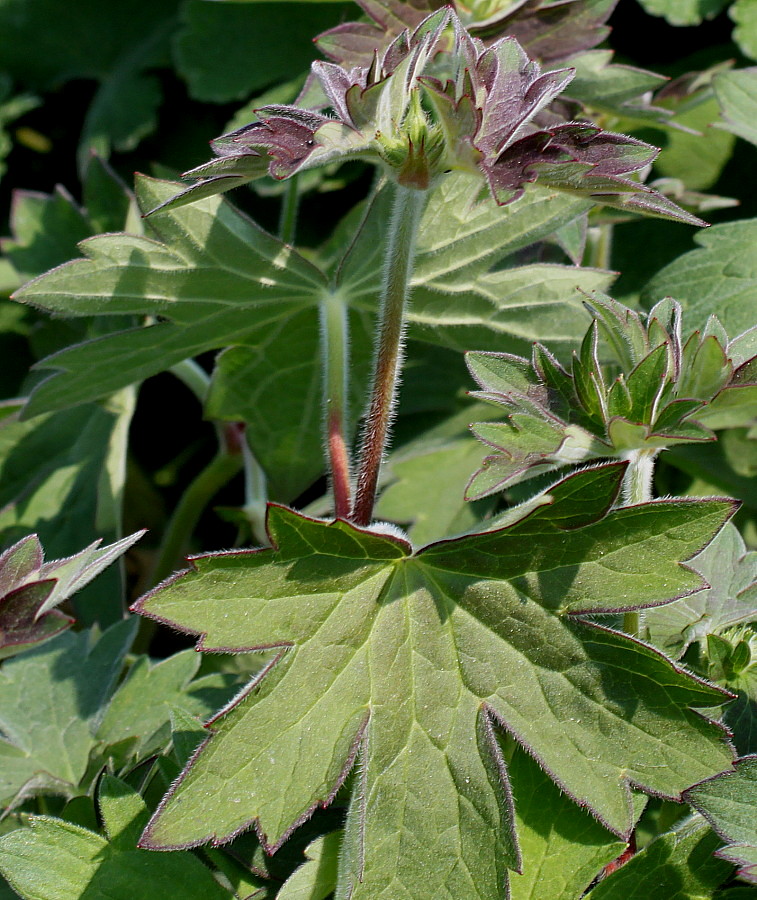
(431, 666)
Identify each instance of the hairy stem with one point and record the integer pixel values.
(398, 267)
(599, 246)
(335, 349)
(637, 488)
(289, 209)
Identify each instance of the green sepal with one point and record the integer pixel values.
(706, 370)
(646, 383)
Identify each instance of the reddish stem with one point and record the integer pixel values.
(398, 267)
(340, 466)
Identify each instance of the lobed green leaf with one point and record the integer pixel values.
(406, 661)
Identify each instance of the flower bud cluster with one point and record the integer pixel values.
(435, 100)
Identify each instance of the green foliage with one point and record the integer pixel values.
(562, 846)
(63, 478)
(213, 48)
(728, 803)
(371, 674)
(57, 860)
(666, 391)
(460, 699)
(684, 12)
(678, 865)
(50, 720)
(737, 95)
(731, 573)
(716, 279)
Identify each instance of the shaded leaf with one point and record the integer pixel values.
(61, 861)
(187, 733)
(717, 278)
(677, 865)
(51, 699)
(562, 846)
(81, 46)
(697, 159)
(611, 88)
(46, 230)
(316, 878)
(403, 659)
(62, 476)
(213, 46)
(736, 93)
(150, 695)
(125, 108)
(728, 802)
(731, 573)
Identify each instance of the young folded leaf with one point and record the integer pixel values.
(31, 588)
(657, 391)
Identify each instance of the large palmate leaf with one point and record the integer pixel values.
(58, 860)
(216, 279)
(213, 277)
(728, 802)
(407, 660)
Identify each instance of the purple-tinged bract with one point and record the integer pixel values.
(433, 101)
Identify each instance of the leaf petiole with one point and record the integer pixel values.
(637, 488)
(398, 268)
(335, 347)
